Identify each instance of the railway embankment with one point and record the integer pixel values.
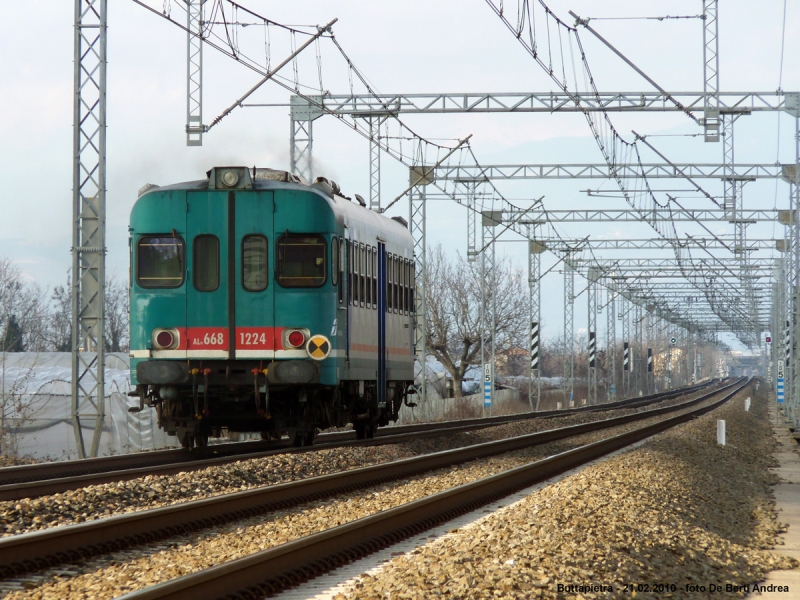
(153, 491)
(134, 568)
(680, 516)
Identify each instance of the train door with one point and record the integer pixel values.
(254, 302)
(207, 301)
(381, 324)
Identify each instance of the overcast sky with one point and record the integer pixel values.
(413, 46)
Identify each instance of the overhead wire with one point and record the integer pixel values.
(780, 86)
(664, 18)
(609, 141)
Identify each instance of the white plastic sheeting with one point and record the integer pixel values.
(35, 409)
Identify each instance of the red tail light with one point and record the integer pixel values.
(296, 339)
(165, 339)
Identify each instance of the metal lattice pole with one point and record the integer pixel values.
(303, 110)
(795, 272)
(648, 332)
(668, 379)
(375, 163)
(774, 327)
(733, 187)
(591, 303)
(611, 345)
(489, 220)
(780, 341)
(569, 333)
(728, 161)
(787, 314)
(535, 250)
(472, 219)
(640, 363)
(790, 346)
(710, 71)
(416, 222)
(625, 313)
(194, 72)
(88, 225)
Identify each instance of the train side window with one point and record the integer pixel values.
(255, 263)
(409, 283)
(350, 271)
(390, 280)
(374, 278)
(356, 270)
(363, 276)
(412, 289)
(340, 268)
(402, 285)
(389, 283)
(368, 257)
(334, 261)
(301, 260)
(396, 284)
(160, 261)
(357, 273)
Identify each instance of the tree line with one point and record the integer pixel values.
(36, 319)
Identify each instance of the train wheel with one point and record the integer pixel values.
(310, 436)
(186, 439)
(361, 430)
(304, 438)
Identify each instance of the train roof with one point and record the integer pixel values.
(257, 179)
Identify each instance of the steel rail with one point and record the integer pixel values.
(57, 545)
(30, 481)
(272, 570)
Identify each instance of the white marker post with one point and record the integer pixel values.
(747, 404)
(721, 432)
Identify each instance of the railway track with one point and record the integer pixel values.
(31, 481)
(57, 545)
(278, 568)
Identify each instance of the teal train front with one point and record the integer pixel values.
(261, 303)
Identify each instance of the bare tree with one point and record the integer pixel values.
(59, 330)
(23, 322)
(23, 310)
(116, 302)
(453, 295)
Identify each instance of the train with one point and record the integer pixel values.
(262, 303)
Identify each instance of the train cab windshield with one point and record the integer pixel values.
(301, 260)
(160, 261)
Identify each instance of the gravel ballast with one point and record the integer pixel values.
(105, 500)
(672, 518)
(125, 571)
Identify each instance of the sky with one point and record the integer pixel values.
(409, 47)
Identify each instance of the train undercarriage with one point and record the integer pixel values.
(207, 399)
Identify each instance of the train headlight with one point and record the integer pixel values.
(166, 339)
(230, 178)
